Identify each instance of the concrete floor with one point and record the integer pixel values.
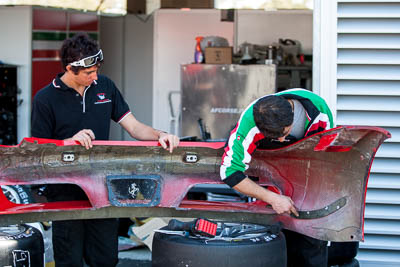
(136, 257)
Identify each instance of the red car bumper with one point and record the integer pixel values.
(325, 174)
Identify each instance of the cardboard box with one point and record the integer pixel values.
(218, 55)
(145, 232)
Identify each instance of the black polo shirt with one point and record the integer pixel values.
(59, 112)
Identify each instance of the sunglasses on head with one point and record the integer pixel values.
(88, 61)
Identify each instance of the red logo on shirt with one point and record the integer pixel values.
(102, 99)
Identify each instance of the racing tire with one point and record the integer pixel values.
(341, 253)
(21, 245)
(175, 251)
(18, 194)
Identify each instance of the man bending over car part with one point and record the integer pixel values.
(274, 121)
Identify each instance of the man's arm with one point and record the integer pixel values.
(141, 131)
(280, 203)
(232, 173)
(84, 137)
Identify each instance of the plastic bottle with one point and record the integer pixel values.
(246, 58)
(198, 54)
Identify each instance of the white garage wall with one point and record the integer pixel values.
(127, 43)
(16, 49)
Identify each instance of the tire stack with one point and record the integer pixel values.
(266, 249)
(21, 245)
(172, 247)
(19, 194)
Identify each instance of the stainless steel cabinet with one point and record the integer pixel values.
(217, 94)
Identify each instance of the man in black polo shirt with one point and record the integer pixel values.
(78, 105)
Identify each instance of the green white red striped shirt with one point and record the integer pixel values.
(244, 137)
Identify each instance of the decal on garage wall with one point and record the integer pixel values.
(226, 110)
(50, 28)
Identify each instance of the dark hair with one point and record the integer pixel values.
(272, 114)
(75, 48)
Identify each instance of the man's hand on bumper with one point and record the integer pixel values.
(284, 204)
(84, 137)
(168, 141)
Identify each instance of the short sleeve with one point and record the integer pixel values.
(42, 119)
(120, 107)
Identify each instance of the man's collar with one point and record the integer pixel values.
(59, 84)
